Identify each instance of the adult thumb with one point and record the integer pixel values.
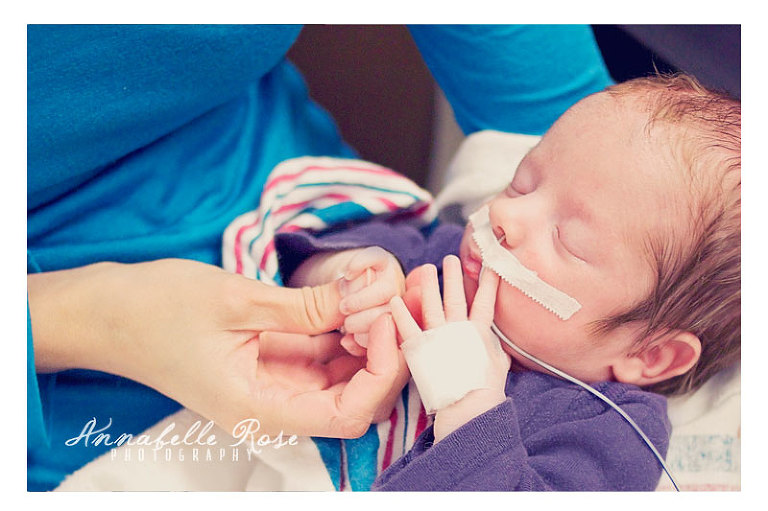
(308, 310)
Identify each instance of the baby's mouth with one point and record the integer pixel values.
(471, 263)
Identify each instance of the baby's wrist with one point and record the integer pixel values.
(474, 404)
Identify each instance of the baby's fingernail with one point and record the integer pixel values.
(344, 307)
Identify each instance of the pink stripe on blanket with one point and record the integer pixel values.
(289, 228)
(421, 423)
(389, 204)
(296, 205)
(387, 459)
(271, 245)
(267, 252)
(277, 180)
(238, 245)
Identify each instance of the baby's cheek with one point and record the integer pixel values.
(521, 319)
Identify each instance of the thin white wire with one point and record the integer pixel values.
(594, 392)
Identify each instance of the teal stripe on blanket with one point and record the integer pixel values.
(330, 452)
(343, 212)
(362, 459)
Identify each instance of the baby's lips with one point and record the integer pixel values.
(471, 266)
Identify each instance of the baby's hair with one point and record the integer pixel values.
(698, 283)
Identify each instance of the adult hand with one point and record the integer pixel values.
(191, 331)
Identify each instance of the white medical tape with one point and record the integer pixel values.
(512, 271)
(446, 363)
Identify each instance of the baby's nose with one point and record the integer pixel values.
(508, 226)
(512, 235)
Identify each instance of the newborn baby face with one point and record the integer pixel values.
(580, 211)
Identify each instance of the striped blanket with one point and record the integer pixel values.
(317, 193)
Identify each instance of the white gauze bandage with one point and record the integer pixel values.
(446, 363)
(512, 271)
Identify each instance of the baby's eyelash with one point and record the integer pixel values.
(565, 247)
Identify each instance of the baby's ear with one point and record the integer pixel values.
(671, 356)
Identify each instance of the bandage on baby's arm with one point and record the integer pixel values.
(447, 363)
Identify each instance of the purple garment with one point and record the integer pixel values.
(409, 245)
(548, 435)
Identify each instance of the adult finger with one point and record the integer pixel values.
(361, 322)
(306, 310)
(431, 302)
(346, 410)
(369, 387)
(485, 299)
(453, 290)
(317, 348)
(343, 368)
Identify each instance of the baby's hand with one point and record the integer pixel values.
(438, 313)
(371, 278)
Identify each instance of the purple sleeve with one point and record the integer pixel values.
(561, 440)
(409, 245)
(486, 453)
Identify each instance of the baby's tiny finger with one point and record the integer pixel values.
(350, 287)
(454, 299)
(485, 299)
(431, 302)
(378, 293)
(412, 300)
(405, 323)
(375, 258)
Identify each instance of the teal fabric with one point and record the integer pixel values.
(514, 78)
(145, 142)
(36, 434)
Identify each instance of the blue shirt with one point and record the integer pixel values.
(144, 142)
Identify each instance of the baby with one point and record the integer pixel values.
(630, 204)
